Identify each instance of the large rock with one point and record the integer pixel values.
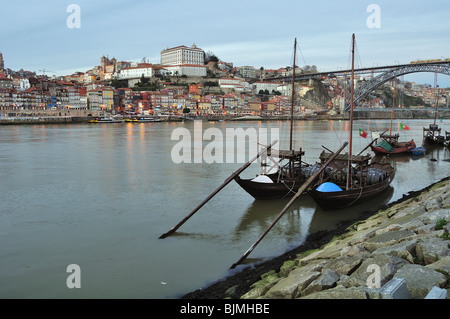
(388, 264)
(420, 279)
(259, 288)
(432, 249)
(326, 281)
(388, 238)
(434, 216)
(297, 280)
(344, 265)
(287, 288)
(403, 250)
(442, 265)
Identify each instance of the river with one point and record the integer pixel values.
(99, 196)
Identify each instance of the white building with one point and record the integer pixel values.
(186, 69)
(236, 84)
(186, 61)
(145, 70)
(183, 55)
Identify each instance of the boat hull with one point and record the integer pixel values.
(262, 191)
(405, 147)
(347, 198)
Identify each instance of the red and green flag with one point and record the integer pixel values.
(362, 133)
(404, 127)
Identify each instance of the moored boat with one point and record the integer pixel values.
(389, 144)
(106, 120)
(418, 151)
(350, 179)
(291, 172)
(366, 181)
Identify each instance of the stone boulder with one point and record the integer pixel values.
(420, 279)
(326, 281)
(432, 249)
(388, 264)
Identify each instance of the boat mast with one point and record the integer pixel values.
(293, 97)
(393, 105)
(437, 97)
(351, 115)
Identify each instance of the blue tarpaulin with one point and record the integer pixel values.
(328, 187)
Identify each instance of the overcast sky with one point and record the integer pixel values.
(34, 35)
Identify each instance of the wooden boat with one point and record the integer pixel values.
(367, 180)
(106, 120)
(284, 183)
(350, 179)
(388, 143)
(432, 135)
(291, 174)
(418, 151)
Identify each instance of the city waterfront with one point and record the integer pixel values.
(99, 196)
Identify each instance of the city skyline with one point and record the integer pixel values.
(37, 36)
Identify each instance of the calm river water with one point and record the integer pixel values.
(100, 195)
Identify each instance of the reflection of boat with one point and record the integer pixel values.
(291, 174)
(447, 138)
(106, 120)
(350, 179)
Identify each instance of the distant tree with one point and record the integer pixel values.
(210, 57)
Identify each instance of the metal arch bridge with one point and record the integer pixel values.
(387, 73)
(364, 89)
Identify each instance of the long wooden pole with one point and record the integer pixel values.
(226, 182)
(351, 115)
(283, 211)
(293, 97)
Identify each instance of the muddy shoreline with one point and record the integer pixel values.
(237, 285)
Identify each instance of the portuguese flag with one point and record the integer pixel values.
(404, 127)
(362, 133)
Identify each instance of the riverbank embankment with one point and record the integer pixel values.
(409, 240)
(46, 118)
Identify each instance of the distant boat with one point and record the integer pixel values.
(143, 119)
(418, 151)
(432, 135)
(106, 120)
(350, 179)
(388, 143)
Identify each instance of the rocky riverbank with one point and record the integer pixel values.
(409, 239)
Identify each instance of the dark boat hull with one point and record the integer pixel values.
(403, 148)
(269, 190)
(346, 198)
